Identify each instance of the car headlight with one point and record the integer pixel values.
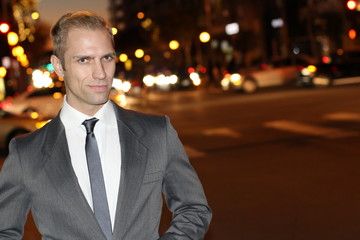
(308, 70)
(225, 82)
(236, 79)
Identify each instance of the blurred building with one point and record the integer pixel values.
(243, 33)
(5, 18)
(276, 25)
(19, 17)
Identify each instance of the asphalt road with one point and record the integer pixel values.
(276, 164)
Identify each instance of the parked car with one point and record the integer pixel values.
(46, 101)
(337, 69)
(280, 72)
(14, 125)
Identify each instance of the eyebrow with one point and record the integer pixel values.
(80, 56)
(113, 54)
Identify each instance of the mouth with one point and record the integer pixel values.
(99, 88)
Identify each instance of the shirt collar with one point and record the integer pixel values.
(73, 118)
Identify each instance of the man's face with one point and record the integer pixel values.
(89, 69)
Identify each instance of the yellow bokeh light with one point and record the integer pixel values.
(146, 23)
(174, 45)
(25, 64)
(17, 51)
(204, 37)
(312, 68)
(57, 95)
(123, 57)
(34, 115)
(35, 15)
(139, 53)
(3, 72)
(22, 58)
(128, 65)
(114, 31)
(13, 38)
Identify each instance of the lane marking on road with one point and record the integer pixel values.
(222, 131)
(193, 153)
(343, 116)
(309, 129)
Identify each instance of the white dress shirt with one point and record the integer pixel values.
(106, 133)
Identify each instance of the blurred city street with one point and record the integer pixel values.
(275, 165)
(264, 96)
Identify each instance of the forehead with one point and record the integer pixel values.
(80, 39)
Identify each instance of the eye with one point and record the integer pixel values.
(109, 58)
(83, 60)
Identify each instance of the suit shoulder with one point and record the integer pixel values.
(141, 117)
(36, 137)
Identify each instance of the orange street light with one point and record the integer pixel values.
(352, 34)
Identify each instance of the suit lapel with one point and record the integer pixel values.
(57, 164)
(133, 163)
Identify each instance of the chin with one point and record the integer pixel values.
(99, 100)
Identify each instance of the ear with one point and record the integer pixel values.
(55, 61)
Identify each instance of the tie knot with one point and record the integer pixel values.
(90, 124)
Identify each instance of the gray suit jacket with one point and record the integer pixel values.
(38, 175)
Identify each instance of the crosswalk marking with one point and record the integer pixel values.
(222, 131)
(193, 153)
(309, 129)
(289, 126)
(343, 116)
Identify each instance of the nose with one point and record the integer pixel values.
(98, 70)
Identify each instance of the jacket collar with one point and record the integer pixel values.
(133, 157)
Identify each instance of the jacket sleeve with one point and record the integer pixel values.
(183, 193)
(14, 198)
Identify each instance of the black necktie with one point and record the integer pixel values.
(100, 203)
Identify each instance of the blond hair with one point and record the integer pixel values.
(79, 20)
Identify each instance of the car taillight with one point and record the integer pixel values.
(5, 105)
(326, 59)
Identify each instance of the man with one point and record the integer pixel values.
(103, 181)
